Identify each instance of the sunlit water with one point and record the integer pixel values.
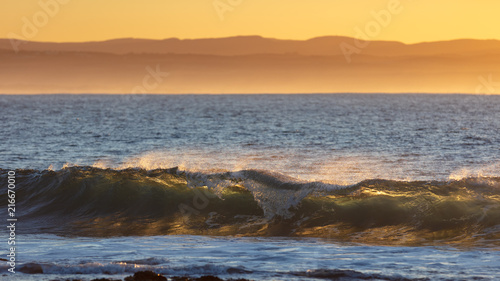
(339, 139)
(342, 138)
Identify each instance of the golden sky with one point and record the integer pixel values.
(408, 21)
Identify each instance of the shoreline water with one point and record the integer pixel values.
(257, 258)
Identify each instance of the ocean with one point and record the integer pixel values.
(262, 187)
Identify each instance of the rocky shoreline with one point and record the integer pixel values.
(31, 268)
(152, 276)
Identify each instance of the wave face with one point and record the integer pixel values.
(87, 201)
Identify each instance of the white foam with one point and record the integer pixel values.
(491, 170)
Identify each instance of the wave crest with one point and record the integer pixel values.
(106, 202)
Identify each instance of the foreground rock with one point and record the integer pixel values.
(31, 268)
(146, 276)
(151, 276)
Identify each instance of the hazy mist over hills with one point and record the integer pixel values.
(249, 64)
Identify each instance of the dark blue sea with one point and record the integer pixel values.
(263, 187)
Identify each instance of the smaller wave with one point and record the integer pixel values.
(345, 274)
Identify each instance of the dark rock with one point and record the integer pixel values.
(146, 276)
(151, 275)
(209, 278)
(105, 279)
(31, 268)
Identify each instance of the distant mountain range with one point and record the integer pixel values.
(250, 45)
(249, 64)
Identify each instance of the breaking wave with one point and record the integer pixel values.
(89, 201)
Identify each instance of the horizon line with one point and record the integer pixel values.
(247, 36)
(256, 93)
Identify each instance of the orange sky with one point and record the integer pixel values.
(408, 21)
